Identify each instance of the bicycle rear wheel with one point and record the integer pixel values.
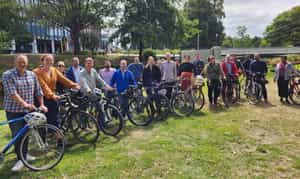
(182, 104)
(141, 111)
(46, 144)
(84, 127)
(163, 108)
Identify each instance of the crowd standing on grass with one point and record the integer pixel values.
(24, 90)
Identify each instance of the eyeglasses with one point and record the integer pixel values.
(61, 65)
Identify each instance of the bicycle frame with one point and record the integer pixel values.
(20, 133)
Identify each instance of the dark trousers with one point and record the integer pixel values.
(14, 128)
(152, 95)
(169, 88)
(124, 104)
(213, 91)
(52, 114)
(264, 89)
(283, 88)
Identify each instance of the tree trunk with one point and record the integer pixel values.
(141, 48)
(75, 33)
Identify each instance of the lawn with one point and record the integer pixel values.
(243, 141)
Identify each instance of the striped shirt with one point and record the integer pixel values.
(26, 86)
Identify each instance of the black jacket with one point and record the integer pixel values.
(151, 76)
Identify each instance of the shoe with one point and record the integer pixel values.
(18, 166)
(281, 100)
(30, 158)
(287, 101)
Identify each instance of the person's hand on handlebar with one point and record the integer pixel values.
(43, 108)
(56, 97)
(30, 107)
(108, 88)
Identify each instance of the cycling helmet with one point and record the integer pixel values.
(35, 118)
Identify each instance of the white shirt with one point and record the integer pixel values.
(76, 72)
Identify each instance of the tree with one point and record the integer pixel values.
(147, 23)
(75, 15)
(12, 24)
(90, 40)
(209, 14)
(285, 29)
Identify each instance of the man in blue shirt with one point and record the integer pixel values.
(123, 78)
(136, 68)
(73, 73)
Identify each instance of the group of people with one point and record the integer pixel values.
(26, 90)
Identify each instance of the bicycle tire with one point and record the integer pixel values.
(143, 111)
(44, 129)
(111, 112)
(185, 100)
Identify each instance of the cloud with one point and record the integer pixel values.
(256, 15)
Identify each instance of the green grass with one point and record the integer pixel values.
(240, 142)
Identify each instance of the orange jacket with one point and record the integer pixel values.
(48, 83)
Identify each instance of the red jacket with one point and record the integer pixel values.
(234, 68)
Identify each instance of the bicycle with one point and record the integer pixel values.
(197, 92)
(230, 90)
(159, 100)
(255, 88)
(109, 116)
(182, 103)
(74, 118)
(141, 109)
(43, 141)
(294, 89)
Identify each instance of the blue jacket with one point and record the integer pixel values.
(70, 74)
(137, 70)
(122, 82)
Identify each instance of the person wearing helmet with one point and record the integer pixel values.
(20, 88)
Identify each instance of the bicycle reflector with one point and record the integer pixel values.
(35, 119)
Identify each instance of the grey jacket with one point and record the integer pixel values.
(89, 81)
(289, 70)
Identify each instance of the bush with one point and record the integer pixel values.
(147, 53)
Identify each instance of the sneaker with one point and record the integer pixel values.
(18, 166)
(30, 158)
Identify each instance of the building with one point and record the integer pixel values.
(48, 39)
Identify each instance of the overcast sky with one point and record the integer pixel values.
(254, 14)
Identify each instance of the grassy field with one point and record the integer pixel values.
(243, 141)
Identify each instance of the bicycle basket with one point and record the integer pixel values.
(199, 80)
(35, 119)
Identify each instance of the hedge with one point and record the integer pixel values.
(7, 61)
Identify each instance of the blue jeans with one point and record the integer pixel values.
(14, 128)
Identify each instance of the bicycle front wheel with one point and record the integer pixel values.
(84, 127)
(141, 111)
(182, 104)
(112, 122)
(199, 98)
(295, 94)
(46, 145)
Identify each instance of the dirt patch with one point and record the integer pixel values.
(139, 133)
